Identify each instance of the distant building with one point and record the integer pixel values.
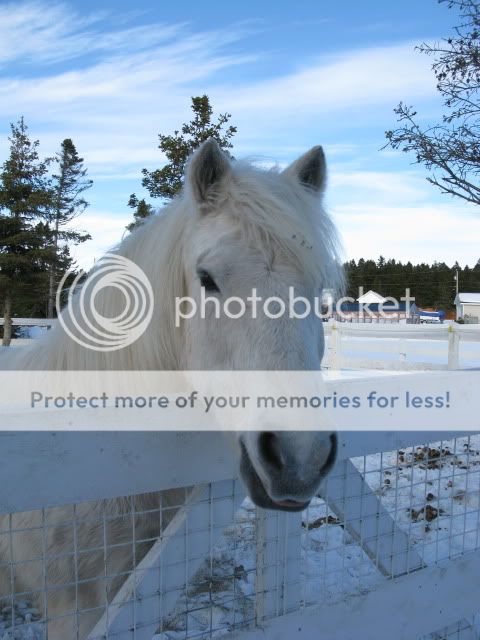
(371, 307)
(371, 297)
(468, 306)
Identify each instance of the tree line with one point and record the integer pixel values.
(431, 285)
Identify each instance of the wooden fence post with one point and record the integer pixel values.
(278, 564)
(335, 347)
(453, 349)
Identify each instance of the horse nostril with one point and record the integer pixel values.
(269, 449)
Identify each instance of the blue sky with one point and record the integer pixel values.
(112, 75)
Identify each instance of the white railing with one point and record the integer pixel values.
(31, 322)
(402, 342)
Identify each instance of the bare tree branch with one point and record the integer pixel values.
(449, 150)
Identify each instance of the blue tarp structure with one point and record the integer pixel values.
(427, 314)
(431, 314)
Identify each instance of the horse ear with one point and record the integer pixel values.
(310, 169)
(207, 167)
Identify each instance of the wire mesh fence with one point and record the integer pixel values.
(199, 563)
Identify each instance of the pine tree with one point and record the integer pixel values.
(25, 236)
(67, 203)
(431, 285)
(167, 182)
(141, 213)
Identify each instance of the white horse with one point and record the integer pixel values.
(234, 228)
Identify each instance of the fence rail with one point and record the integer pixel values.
(404, 340)
(31, 322)
(140, 462)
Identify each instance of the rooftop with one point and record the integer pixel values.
(473, 298)
(371, 297)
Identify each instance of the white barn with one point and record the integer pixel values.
(468, 305)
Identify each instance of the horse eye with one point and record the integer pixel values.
(207, 281)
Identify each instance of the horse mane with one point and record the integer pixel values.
(271, 212)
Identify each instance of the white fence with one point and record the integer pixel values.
(401, 346)
(45, 323)
(31, 322)
(394, 536)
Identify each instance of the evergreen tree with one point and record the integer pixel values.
(167, 182)
(25, 236)
(142, 211)
(430, 285)
(67, 203)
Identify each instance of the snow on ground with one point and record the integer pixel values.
(26, 620)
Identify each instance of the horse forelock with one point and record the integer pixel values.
(276, 213)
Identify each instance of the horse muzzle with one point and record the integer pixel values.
(277, 477)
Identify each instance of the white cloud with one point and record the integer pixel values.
(399, 214)
(421, 233)
(114, 103)
(107, 230)
(35, 31)
(382, 188)
(354, 80)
